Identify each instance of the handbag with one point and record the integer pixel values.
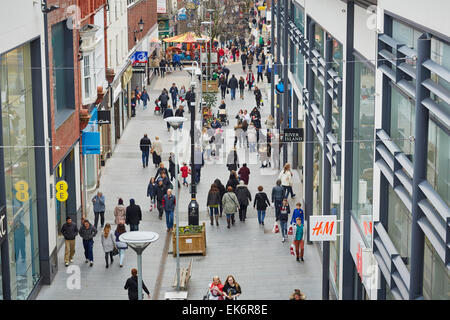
(121, 245)
(293, 249)
(115, 251)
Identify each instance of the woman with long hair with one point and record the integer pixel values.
(119, 212)
(286, 180)
(122, 246)
(233, 181)
(108, 243)
(231, 289)
(213, 203)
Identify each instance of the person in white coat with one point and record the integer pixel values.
(252, 137)
(286, 180)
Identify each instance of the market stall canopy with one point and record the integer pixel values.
(188, 37)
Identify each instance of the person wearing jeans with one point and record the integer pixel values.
(145, 145)
(169, 203)
(122, 246)
(99, 208)
(87, 233)
(133, 215)
(286, 180)
(284, 212)
(261, 202)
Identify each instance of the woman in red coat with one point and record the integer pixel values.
(244, 173)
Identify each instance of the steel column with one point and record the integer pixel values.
(285, 76)
(326, 177)
(294, 125)
(309, 134)
(420, 167)
(348, 266)
(272, 51)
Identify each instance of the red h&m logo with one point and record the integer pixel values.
(326, 230)
(359, 260)
(367, 228)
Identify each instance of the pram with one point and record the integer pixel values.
(157, 107)
(222, 115)
(263, 156)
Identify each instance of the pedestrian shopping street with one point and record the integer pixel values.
(255, 256)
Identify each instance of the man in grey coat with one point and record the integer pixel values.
(277, 198)
(87, 233)
(99, 209)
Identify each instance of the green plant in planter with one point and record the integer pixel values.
(190, 230)
(210, 99)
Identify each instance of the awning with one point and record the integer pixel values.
(188, 37)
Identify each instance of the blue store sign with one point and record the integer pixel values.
(139, 57)
(91, 136)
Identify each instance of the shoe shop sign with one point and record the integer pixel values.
(292, 135)
(2, 223)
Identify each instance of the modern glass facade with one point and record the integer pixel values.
(402, 121)
(363, 150)
(19, 160)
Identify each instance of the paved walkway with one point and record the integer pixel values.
(252, 253)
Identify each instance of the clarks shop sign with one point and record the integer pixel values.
(104, 117)
(2, 224)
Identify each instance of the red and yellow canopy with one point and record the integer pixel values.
(188, 37)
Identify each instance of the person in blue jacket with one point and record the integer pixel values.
(298, 213)
(174, 93)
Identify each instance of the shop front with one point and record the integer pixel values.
(18, 166)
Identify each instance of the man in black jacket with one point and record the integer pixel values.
(190, 100)
(145, 146)
(161, 190)
(132, 286)
(244, 60)
(258, 96)
(168, 113)
(233, 84)
(226, 71)
(164, 99)
(133, 216)
(69, 230)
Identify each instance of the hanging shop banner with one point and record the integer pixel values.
(323, 228)
(292, 135)
(104, 117)
(91, 142)
(126, 77)
(2, 224)
(182, 14)
(139, 57)
(161, 6)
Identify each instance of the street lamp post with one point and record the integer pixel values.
(175, 123)
(138, 241)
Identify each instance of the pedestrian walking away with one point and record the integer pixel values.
(99, 208)
(250, 80)
(156, 152)
(213, 203)
(233, 84)
(244, 60)
(172, 166)
(244, 198)
(87, 233)
(69, 230)
(233, 180)
(261, 203)
(244, 173)
(230, 205)
(133, 216)
(161, 190)
(222, 191)
(145, 145)
(259, 72)
(258, 96)
(277, 198)
(132, 286)
(168, 113)
(119, 212)
(184, 173)
(169, 203)
(232, 289)
(145, 99)
(122, 246)
(241, 87)
(151, 192)
(284, 212)
(108, 244)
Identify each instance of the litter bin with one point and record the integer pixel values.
(193, 213)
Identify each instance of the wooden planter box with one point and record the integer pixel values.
(190, 243)
(213, 86)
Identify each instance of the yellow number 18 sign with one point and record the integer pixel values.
(61, 191)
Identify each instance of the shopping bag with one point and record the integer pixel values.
(293, 249)
(275, 228)
(290, 230)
